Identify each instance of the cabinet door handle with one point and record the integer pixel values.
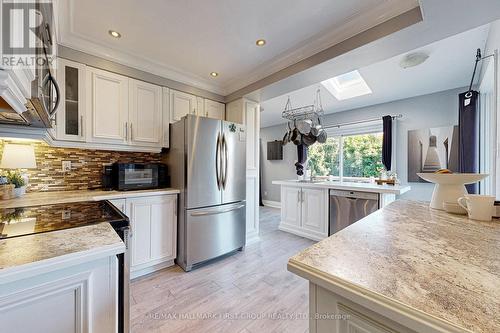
(131, 133)
(302, 195)
(298, 196)
(126, 131)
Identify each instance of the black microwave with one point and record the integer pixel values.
(135, 176)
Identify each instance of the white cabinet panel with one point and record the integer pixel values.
(140, 221)
(107, 105)
(71, 113)
(200, 107)
(181, 104)
(163, 226)
(166, 117)
(214, 109)
(79, 298)
(145, 113)
(304, 211)
(314, 209)
(291, 207)
(153, 222)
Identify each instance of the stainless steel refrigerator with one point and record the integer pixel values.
(207, 163)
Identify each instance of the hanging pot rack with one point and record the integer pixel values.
(313, 111)
(479, 57)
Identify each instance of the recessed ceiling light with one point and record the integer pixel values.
(214, 74)
(413, 59)
(260, 42)
(348, 85)
(114, 33)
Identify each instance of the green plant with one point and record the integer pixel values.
(15, 178)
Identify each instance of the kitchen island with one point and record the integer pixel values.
(405, 268)
(305, 204)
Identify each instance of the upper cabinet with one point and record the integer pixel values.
(166, 117)
(181, 104)
(108, 103)
(70, 116)
(145, 114)
(214, 109)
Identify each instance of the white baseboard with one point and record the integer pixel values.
(144, 270)
(273, 204)
(312, 235)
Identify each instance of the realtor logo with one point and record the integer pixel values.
(26, 34)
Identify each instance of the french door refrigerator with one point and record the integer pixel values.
(207, 163)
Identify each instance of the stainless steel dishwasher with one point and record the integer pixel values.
(347, 207)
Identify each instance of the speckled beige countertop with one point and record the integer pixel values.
(45, 198)
(35, 252)
(441, 265)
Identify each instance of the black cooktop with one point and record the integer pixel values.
(37, 219)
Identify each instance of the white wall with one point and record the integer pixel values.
(434, 110)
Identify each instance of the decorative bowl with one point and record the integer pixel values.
(449, 186)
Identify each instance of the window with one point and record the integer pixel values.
(355, 157)
(348, 85)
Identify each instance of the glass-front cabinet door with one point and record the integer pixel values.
(70, 117)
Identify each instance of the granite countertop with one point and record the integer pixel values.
(441, 265)
(45, 198)
(349, 186)
(35, 253)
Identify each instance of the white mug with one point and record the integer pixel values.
(479, 207)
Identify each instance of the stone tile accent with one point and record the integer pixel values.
(86, 164)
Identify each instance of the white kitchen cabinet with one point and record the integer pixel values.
(304, 211)
(314, 215)
(71, 114)
(107, 107)
(145, 114)
(291, 201)
(153, 223)
(352, 317)
(200, 107)
(166, 117)
(181, 104)
(214, 109)
(80, 298)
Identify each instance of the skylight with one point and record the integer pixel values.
(348, 85)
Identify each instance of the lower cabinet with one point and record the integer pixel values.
(304, 211)
(332, 313)
(80, 298)
(153, 223)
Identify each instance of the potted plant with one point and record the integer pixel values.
(15, 178)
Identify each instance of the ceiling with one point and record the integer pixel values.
(187, 40)
(449, 66)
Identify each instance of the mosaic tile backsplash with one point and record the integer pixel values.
(86, 166)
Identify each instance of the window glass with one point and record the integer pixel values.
(323, 159)
(362, 155)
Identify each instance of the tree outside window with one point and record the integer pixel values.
(361, 155)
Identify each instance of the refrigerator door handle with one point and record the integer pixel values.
(224, 176)
(214, 212)
(217, 161)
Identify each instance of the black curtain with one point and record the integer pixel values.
(387, 142)
(468, 135)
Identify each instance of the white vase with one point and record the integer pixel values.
(19, 191)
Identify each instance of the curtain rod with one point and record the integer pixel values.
(479, 57)
(361, 121)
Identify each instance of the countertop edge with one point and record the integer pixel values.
(131, 194)
(16, 273)
(413, 318)
(385, 190)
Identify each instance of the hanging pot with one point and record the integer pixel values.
(309, 139)
(304, 126)
(296, 137)
(322, 136)
(286, 137)
(316, 127)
